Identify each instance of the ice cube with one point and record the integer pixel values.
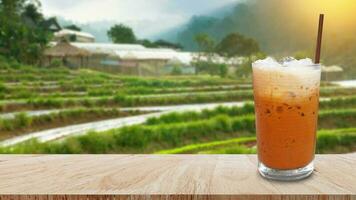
(267, 62)
(296, 63)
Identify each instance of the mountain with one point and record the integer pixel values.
(246, 18)
(172, 34)
(284, 28)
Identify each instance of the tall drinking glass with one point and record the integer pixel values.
(286, 105)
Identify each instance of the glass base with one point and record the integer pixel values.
(286, 175)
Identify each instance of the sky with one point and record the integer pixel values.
(146, 17)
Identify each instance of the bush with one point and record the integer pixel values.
(343, 139)
(177, 70)
(22, 120)
(55, 63)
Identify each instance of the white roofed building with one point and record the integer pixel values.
(73, 36)
(136, 59)
(108, 48)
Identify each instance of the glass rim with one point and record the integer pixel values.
(291, 66)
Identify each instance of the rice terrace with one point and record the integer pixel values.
(112, 113)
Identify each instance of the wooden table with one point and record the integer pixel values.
(166, 177)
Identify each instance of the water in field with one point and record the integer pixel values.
(346, 83)
(52, 134)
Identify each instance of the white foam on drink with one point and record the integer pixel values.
(287, 76)
(298, 63)
(267, 62)
(288, 62)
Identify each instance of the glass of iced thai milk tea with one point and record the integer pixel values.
(286, 99)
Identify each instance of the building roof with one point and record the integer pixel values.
(333, 68)
(64, 48)
(107, 48)
(139, 52)
(65, 32)
(155, 54)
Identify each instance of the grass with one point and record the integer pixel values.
(336, 141)
(196, 148)
(151, 138)
(204, 114)
(141, 138)
(22, 92)
(327, 117)
(112, 89)
(341, 102)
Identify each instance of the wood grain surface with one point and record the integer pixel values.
(166, 177)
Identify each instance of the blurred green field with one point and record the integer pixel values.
(83, 95)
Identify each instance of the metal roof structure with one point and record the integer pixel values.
(333, 68)
(65, 32)
(107, 48)
(139, 52)
(156, 54)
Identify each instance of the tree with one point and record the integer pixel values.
(177, 70)
(236, 44)
(223, 70)
(22, 36)
(146, 43)
(73, 27)
(204, 61)
(205, 42)
(167, 44)
(31, 12)
(121, 34)
(159, 44)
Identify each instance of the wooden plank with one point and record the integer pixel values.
(166, 176)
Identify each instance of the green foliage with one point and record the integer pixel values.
(55, 63)
(205, 42)
(141, 138)
(167, 44)
(346, 102)
(339, 141)
(210, 67)
(159, 44)
(20, 121)
(245, 69)
(229, 96)
(236, 44)
(223, 69)
(147, 43)
(238, 149)
(121, 33)
(205, 147)
(73, 27)
(177, 70)
(22, 36)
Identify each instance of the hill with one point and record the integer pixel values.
(284, 28)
